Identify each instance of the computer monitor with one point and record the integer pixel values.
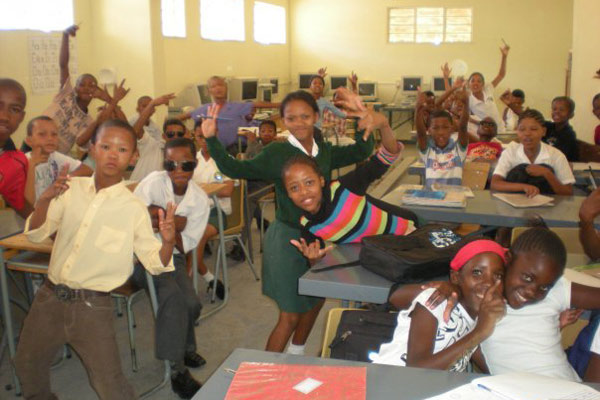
(437, 84)
(304, 80)
(243, 89)
(367, 90)
(203, 93)
(411, 83)
(275, 83)
(338, 81)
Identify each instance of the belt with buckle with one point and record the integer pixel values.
(65, 293)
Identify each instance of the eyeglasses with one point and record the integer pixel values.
(186, 166)
(171, 134)
(487, 123)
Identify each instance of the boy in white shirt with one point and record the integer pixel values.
(150, 127)
(178, 304)
(45, 162)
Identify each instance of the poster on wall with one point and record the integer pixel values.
(43, 61)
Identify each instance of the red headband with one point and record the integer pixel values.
(474, 248)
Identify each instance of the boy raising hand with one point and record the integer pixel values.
(99, 224)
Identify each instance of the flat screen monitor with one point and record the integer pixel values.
(410, 84)
(304, 80)
(275, 83)
(367, 89)
(338, 81)
(437, 84)
(249, 90)
(203, 94)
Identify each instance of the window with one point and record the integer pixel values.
(430, 25)
(222, 20)
(173, 18)
(269, 23)
(42, 15)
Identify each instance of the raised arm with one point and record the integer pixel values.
(420, 108)
(458, 84)
(588, 235)
(146, 113)
(63, 58)
(463, 135)
(506, 99)
(502, 72)
(446, 71)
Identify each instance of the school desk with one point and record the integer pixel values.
(484, 209)
(383, 381)
(389, 110)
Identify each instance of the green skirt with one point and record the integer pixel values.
(283, 265)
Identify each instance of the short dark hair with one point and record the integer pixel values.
(83, 76)
(13, 84)
(533, 114)
(299, 95)
(429, 93)
(312, 78)
(33, 121)
(439, 114)
(173, 121)
(302, 159)
(567, 100)
(519, 94)
(142, 98)
(181, 142)
(268, 122)
(115, 123)
(596, 97)
(543, 241)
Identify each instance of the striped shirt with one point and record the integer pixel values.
(443, 166)
(347, 213)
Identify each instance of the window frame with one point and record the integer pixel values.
(243, 20)
(285, 19)
(415, 26)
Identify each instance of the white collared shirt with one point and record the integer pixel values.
(296, 143)
(208, 172)
(514, 154)
(486, 107)
(97, 234)
(151, 129)
(157, 189)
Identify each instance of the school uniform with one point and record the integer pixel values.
(151, 128)
(282, 263)
(528, 339)
(13, 175)
(564, 140)
(46, 173)
(486, 107)
(347, 213)
(514, 155)
(69, 118)
(448, 333)
(178, 304)
(443, 166)
(97, 233)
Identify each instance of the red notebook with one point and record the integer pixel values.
(266, 381)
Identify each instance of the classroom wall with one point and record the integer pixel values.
(348, 35)
(586, 61)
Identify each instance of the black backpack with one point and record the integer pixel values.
(422, 255)
(519, 175)
(362, 332)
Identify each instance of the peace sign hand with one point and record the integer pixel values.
(166, 223)
(59, 186)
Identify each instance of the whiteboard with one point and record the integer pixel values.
(43, 63)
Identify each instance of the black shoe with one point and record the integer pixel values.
(185, 385)
(237, 253)
(220, 288)
(193, 360)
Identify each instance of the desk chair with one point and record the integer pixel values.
(235, 221)
(264, 201)
(127, 293)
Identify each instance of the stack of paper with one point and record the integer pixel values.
(520, 386)
(520, 200)
(434, 198)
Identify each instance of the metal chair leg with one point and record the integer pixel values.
(241, 242)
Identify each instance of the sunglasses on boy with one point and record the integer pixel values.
(487, 123)
(186, 166)
(171, 134)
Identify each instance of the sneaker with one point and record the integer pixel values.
(193, 359)
(220, 288)
(184, 385)
(237, 253)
